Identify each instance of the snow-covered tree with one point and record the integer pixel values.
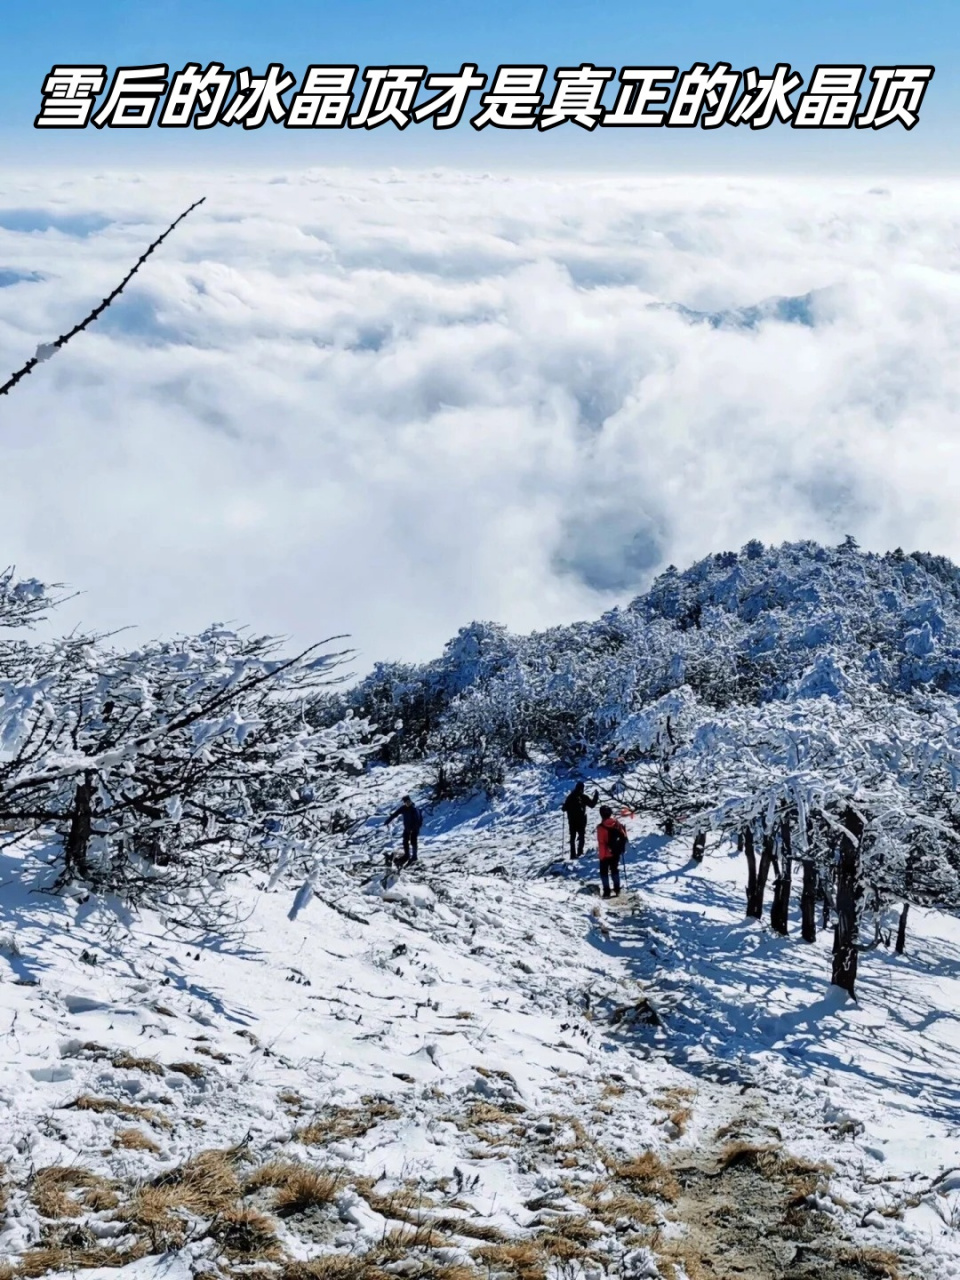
(169, 766)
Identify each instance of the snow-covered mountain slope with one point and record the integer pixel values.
(763, 624)
(483, 1070)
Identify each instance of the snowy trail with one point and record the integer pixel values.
(491, 1052)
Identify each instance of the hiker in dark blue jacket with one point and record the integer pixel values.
(412, 822)
(575, 807)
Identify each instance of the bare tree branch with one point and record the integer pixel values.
(46, 350)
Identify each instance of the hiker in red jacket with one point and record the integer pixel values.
(612, 842)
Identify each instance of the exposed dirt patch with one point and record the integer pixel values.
(748, 1208)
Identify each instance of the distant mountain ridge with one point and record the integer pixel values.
(795, 309)
(762, 624)
(895, 615)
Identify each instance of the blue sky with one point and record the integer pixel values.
(441, 36)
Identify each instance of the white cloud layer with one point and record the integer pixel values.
(389, 404)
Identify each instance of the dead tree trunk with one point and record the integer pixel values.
(849, 893)
(780, 907)
(699, 845)
(826, 887)
(78, 837)
(755, 904)
(808, 902)
(902, 930)
(751, 857)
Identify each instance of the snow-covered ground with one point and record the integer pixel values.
(498, 1073)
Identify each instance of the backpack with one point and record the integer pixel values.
(417, 819)
(616, 841)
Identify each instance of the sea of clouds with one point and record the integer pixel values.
(388, 403)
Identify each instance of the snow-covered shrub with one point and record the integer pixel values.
(167, 767)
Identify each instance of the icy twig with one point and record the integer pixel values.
(46, 349)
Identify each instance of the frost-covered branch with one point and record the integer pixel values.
(46, 350)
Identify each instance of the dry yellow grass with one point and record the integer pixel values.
(157, 1212)
(494, 1113)
(430, 1270)
(874, 1262)
(491, 1073)
(680, 1118)
(495, 1124)
(127, 1062)
(305, 1191)
(567, 1238)
(561, 1248)
(335, 1123)
(677, 1103)
(298, 1187)
(206, 1186)
(36, 1262)
(50, 1189)
(668, 1098)
(524, 1259)
(469, 1229)
(691, 1262)
(609, 1203)
(135, 1140)
(648, 1173)
(800, 1177)
(396, 1243)
(573, 1227)
(581, 1143)
(86, 1102)
(208, 1181)
(100, 1198)
(44, 1258)
(246, 1235)
(192, 1070)
(765, 1158)
(212, 1053)
(405, 1203)
(334, 1266)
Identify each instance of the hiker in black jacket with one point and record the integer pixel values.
(412, 822)
(575, 807)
